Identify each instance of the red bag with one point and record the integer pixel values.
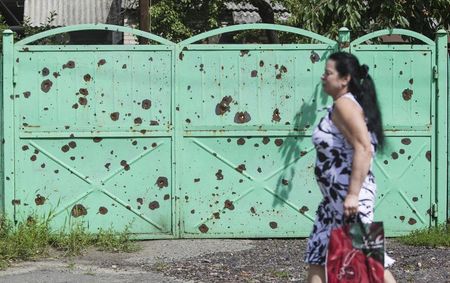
(356, 254)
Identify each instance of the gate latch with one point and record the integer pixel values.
(434, 210)
(435, 73)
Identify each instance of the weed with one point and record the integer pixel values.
(71, 265)
(34, 238)
(73, 242)
(161, 266)
(280, 274)
(433, 237)
(108, 240)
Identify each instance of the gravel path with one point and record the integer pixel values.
(281, 260)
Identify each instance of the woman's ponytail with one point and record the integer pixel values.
(362, 87)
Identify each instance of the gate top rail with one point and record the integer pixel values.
(256, 27)
(82, 27)
(394, 31)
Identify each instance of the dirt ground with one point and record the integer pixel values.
(174, 261)
(281, 260)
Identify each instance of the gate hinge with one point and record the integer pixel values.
(435, 72)
(434, 210)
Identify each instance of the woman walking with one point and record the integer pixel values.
(346, 140)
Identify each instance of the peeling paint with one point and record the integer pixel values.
(407, 94)
(224, 105)
(203, 228)
(406, 141)
(229, 205)
(314, 57)
(241, 168)
(70, 65)
(101, 62)
(162, 182)
(78, 210)
(46, 85)
(153, 205)
(102, 210)
(276, 115)
(240, 141)
(219, 175)
(428, 155)
(278, 142)
(115, 116)
(146, 104)
(242, 117)
(303, 209)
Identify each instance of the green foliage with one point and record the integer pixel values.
(110, 241)
(178, 20)
(361, 17)
(34, 239)
(28, 30)
(434, 237)
(73, 242)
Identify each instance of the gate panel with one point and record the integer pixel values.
(404, 170)
(94, 137)
(247, 113)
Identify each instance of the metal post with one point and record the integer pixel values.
(344, 39)
(144, 19)
(8, 193)
(442, 127)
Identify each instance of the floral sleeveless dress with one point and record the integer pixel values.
(333, 169)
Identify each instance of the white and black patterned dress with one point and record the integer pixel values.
(333, 169)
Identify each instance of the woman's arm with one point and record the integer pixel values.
(349, 119)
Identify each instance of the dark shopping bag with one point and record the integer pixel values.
(356, 253)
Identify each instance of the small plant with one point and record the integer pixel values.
(33, 238)
(434, 237)
(160, 266)
(73, 242)
(280, 274)
(108, 240)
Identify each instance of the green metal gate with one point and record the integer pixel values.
(411, 173)
(247, 113)
(90, 133)
(192, 140)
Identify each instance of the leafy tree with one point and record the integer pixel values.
(326, 17)
(180, 19)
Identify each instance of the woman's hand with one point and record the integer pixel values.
(351, 205)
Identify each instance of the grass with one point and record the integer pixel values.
(432, 237)
(34, 239)
(280, 274)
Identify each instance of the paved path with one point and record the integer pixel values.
(97, 266)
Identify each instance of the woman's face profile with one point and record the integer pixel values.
(332, 82)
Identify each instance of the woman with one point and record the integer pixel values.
(346, 140)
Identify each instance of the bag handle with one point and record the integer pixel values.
(351, 219)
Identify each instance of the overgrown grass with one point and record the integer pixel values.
(433, 237)
(34, 238)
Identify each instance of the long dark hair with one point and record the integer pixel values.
(363, 89)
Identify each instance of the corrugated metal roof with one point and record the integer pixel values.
(243, 17)
(130, 4)
(277, 7)
(246, 13)
(72, 12)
